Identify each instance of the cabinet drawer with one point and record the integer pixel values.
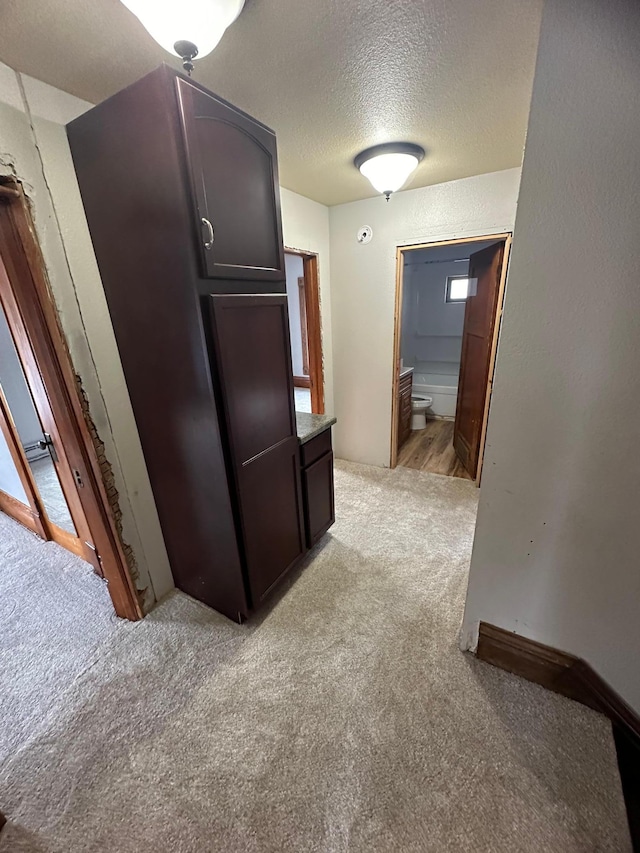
(317, 487)
(315, 448)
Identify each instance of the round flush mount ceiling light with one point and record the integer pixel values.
(389, 165)
(186, 28)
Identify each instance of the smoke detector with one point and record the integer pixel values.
(365, 234)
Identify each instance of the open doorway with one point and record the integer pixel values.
(303, 301)
(448, 303)
(50, 477)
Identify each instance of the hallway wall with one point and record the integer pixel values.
(556, 549)
(363, 280)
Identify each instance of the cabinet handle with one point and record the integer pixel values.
(208, 243)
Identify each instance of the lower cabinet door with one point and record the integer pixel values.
(318, 498)
(272, 517)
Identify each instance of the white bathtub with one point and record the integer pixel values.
(442, 385)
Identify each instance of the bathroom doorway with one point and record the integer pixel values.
(448, 306)
(303, 302)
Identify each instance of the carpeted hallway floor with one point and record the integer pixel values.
(345, 719)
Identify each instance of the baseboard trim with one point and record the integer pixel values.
(576, 679)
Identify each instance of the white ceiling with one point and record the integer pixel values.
(331, 77)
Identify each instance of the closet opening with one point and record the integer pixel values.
(303, 303)
(50, 477)
(448, 305)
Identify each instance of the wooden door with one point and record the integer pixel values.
(252, 369)
(485, 269)
(31, 433)
(234, 171)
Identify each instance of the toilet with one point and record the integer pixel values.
(419, 406)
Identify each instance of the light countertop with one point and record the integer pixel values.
(308, 426)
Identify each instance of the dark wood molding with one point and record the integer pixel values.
(576, 679)
(301, 381)
(3, 820)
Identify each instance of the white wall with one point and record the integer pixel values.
(16, 390)
(294, 268)
(363, 291)
(305, 225)
(556, 550)
(10, 481)
(34, 148)
(432, 327)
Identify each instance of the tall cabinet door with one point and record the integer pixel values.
(250, 338)
(234, 172)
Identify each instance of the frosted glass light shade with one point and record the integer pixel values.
(389, 166)
(202, 22)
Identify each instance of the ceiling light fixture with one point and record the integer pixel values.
(187, 28)
(388, 166)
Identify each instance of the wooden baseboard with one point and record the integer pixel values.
(302, 382)
(20, 512)
(3, 820)
(575, 678)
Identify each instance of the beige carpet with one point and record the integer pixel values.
(345, 719)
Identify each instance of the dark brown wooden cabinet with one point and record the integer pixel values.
(202, 331)
(233, 167)
(253, 368)
(317, 481)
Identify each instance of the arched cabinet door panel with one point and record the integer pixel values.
(233, 166)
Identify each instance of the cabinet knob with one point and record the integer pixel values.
(208, 243)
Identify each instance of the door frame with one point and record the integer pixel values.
(314, 326)
(505, 236)
(26, 273)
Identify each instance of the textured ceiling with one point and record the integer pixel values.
(331, 77)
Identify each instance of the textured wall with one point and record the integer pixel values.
(363, 280)
(556, 550)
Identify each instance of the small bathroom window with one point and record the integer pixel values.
(457, 288)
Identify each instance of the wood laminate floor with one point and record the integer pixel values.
(431, 450)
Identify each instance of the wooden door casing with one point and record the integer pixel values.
(485, 268)
(25, 270)
(252, 367)
(80, 544)
(233, 164)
